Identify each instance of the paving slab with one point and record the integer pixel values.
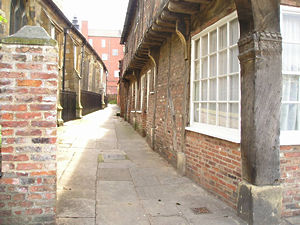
(116, 192)
(76, 207)
(75, 221)
(114, 174)
(168, 220)
(121, 214)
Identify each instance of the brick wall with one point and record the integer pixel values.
(215, 164)
(290, 179)
(28, 90)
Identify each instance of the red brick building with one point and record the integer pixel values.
(107, 45)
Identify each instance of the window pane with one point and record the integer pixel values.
(234, 88)
(290, 88)
(197, 70)
(234, 115)
(213, 89)
(204, 67)
(213, 41)
(222, 114)
(234, 32)
(196, 112)
(291, 57)
(196, 49)
(203, 113)
(196, 91)
(234, 61)
(223, 89)
(213, 65)
(290, 117)
(223, 37)
(204, 90)
(212, 114)
(291, 28)
(204, 45)
(223, 62)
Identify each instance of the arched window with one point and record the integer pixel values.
(17, 15)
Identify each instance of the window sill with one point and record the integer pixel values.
(223, 133)
(290, 138)
(139, 112)
(151, 92)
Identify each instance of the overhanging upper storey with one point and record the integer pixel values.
(149, 23)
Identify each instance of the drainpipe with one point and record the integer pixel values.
(64, 58)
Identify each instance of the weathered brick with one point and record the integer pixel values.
(4, 197)
(14, 123)
(29, 166)
(15, 158)
(29, 83)
(44, 107)
(41, 140)
(7, 116)
(34, 211)
(20, 58)
(7, 149)
(7, 132)
(43, 124)
(44, 75)
(29, 50)
(28, 149)
(34, 196)
(29, 115)
(5, 66)
(18, 197)
(13, 107)
(52, 67)
(43, 188)
(29, 133)
(29, 66)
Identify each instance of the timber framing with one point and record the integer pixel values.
(164, 24)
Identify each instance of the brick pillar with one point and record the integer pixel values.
(28, 96)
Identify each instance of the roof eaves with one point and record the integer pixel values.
(74, 29)
(127, 22)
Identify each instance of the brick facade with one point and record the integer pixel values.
(106, 42)
(213, 163)
(28, 96)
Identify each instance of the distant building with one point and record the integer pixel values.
(107, 45)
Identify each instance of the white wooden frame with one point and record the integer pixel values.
(222, 132)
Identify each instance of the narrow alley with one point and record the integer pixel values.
(108, 175)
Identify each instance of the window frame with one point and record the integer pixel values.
(104, 58)
(289, 137)
(217, 131)
(148, 87)
(116, 72)
(115, 52)
(103, 43)
(142, 92)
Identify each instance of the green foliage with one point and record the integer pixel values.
(114, 101)
(3, 19)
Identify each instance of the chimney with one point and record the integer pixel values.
(75, 22)
(85, 29)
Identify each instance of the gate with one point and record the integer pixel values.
(68, 101)
(90, 102)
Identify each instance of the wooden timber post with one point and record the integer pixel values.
(260, 195)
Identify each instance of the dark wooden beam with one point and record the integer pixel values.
(169, 16)
(165, 23)
(158, 28)
(199, 1)
(183, 7)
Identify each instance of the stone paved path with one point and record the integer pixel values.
(107, 175)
